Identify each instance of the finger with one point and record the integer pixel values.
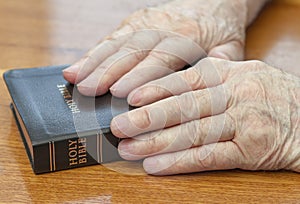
(192, 134)
(217, 156)
(172, 111)
(207, 73)
(233, 50)
(172, 54)
(81, 69)
(115, 66)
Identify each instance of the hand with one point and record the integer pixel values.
(224, 115)
(155, 42)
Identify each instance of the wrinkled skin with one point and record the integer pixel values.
(155, 42)
(223, 115)
(215, 115)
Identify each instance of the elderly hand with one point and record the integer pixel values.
(155, 42)
(224, 115)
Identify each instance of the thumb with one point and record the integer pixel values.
(233, 50)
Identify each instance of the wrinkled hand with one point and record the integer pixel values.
(224, 115)
(155, 42)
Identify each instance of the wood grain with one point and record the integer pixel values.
(36, 33)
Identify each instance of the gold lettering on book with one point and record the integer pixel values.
(77, 151)
(68, 98)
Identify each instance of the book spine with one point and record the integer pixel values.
(71, 152)
(75, 152)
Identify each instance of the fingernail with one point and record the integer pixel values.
(72, 68)
(70, 73)
(85, 90)
(119, 125)
(136, 98)
(125, 146)
(85, 84)
(120, 88)
(82, 87)
(124, 149)
(113, 89)
(151, 165)
(70, 76)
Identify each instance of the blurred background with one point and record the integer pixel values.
(48, 32)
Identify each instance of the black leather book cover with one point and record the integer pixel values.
(62, 129)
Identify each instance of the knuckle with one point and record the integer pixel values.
(161, 142)
(230, 125)
(242, 92)
(138, 53)
(161, 57)
(258, 63)
(188, 100)
(192, 133)
(153, 145)
(255, 65)
(214, 71)
(160, 91)
(165, 59)
(204, 158)
(203, 96)
(193, 78)
(196, 136)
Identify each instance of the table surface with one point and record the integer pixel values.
(37, 33)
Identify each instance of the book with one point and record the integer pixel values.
(60, 128)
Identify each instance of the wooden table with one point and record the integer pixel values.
(36, 33)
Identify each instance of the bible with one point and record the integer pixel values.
(60, 128)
